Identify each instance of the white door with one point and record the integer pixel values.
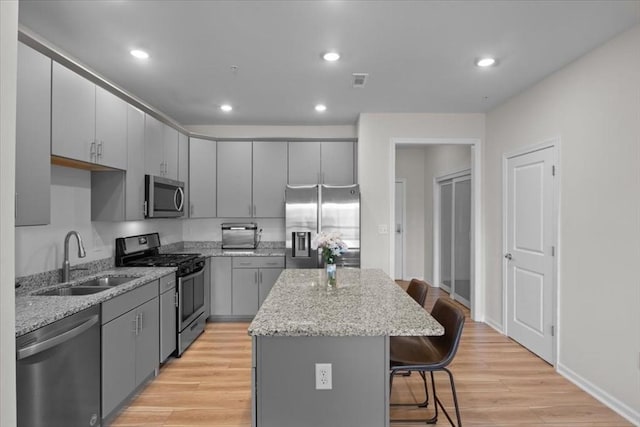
(530, 284)
(461, 241)
(399, 230)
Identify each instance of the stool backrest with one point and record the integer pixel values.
(418, 290)
(451, 317)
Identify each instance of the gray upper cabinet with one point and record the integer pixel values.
(304, 163)
(160, 148)
(135, 173)
(234, 179)
(88, 123)
(153, 146)
(170, 152)
(73, 119)
(269, 178)
(327, 162)
(33, 138)
(111, 130)
(183, 168)
(202, 178)
(336, 163)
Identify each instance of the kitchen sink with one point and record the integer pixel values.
(107, 281)
(74, 290)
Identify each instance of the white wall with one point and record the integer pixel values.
(593, 106)
(8, 67)
(410, 165)
(40, 248)
(224, 131)
(375, 132)
(440, 160)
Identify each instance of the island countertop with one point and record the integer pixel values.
(366, 303)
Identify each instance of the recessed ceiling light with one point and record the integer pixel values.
(486, 62)
(320, 108)
(331, 56)
(140, 54)
(226, 108)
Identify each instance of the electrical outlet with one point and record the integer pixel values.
(323, 376)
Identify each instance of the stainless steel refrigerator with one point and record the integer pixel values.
(312, 209)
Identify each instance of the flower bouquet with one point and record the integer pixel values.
(332, 247)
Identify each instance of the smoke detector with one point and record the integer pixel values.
(359, 79)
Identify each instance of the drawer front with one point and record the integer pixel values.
(258, 262)
(167, 283)
(128, 301)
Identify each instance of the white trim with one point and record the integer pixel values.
(453, 175)
(631, 414)
(495, 325)
(477, 240)
(403, 181)
(554, 144)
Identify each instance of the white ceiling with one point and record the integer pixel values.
(419, 54)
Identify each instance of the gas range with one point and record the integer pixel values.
(143, 251)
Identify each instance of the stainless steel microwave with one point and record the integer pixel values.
(163, 198)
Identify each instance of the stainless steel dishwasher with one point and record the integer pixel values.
(58, 373)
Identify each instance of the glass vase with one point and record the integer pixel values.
(332, 282)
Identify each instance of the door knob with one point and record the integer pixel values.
(508, 256)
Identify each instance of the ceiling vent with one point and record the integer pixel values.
(360, 79)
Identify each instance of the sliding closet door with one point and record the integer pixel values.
(462, 240)
(446, 224)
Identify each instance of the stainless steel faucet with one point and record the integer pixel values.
(66, 267)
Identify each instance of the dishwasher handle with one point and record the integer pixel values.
(31, 350)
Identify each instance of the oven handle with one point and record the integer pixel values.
(190, 276)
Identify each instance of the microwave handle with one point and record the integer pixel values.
(175, 201)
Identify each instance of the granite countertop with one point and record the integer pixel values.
(366, 303)
(33, 312)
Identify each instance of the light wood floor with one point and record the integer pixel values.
(499, 384)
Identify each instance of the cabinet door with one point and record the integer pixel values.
(304, 163)
(134, 191)
(111, 129)
(33, 138)
(118, 361)
(170, 152)
(153, 146)
(221, 285)
(234, 179)
(336, 162)
(73, 115)
(148, 339)
(245, 291)
(167, 324)
(202, 178)
(267, 278)
(269, 178)
(183, 168)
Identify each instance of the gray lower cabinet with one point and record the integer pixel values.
(130, 340)
(220, 286)
(168, 321)
(252, 279)
(33, 138)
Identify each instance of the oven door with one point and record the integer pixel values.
(190, 298)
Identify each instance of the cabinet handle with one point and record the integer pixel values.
(191, 209)
(175, 299)
(249, 210)
(254, 210)
(92, 151)
(261, 277)
(99, 151)
(135, 325)
(15, 207)
(141, 317)
(255, 277)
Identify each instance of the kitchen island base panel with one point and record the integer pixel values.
(285, 392)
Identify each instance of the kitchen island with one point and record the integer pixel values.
(302, 324)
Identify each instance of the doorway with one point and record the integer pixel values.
(453, 245)
(399, 229)
(530, 218)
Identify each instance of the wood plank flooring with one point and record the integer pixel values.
(499, 384)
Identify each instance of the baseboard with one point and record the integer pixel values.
(495, 325)
(445, 287)
(621, 408)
